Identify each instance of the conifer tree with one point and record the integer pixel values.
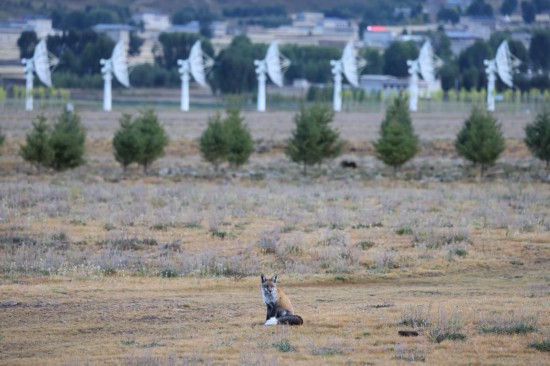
(537, 136)
(151, 137)
(480, 140)
(239, 141)
(126, 142)
(37, 149)
(213, 143)
(397, 143)
(67, 141)
(313, 140)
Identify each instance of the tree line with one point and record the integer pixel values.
(227, 139)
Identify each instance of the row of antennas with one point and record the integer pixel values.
(273, 65)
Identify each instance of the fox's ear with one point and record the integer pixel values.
(274, 278)
(263, 278)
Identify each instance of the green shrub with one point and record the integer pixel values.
(213, 143)
(537, 136)
(151, 138)
(313, 140)
(397, 143)
(226, 139)
(126, 142)
(37, 149)
(67, 141)
(480, 140)
(239, 141)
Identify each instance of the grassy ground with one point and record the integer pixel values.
(97, 268)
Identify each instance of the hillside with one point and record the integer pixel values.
(13, 8)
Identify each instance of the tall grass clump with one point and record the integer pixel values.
(446, 327)
(509, 323)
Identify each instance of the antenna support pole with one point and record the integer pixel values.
(491, 70)
(337, 72)
(261, 69)
(184, 76)
(107, 70)
(29, 78)
(414, 69)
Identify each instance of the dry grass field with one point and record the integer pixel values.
(100, 268)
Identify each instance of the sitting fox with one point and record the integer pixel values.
(279, 307)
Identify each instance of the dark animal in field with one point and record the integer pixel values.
(348, 164)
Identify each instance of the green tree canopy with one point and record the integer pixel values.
(480, 140)
(67, 141)
(239, 140)
(126, 142)
(26, 43)
(151, 138)
(38, 150)
(537, 136)
(213, 143)
(313, 140)
(508, 7)
(528, 11)
(396, 56)
(479, 8)
(397, 143)
(234, 71)
(538, 49)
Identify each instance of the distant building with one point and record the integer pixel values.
(388, 84)
(152, 21)
(117, 32)
(461, 40)
(191, 27)
(378, 36)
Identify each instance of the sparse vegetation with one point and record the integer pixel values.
(509, 323)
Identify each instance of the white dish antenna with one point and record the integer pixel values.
(426, 65)
(198, 64)
(39, 64)
(115, 65)
(350, 65)
(274, 64)
(503, 64)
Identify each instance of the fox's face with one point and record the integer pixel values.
(269, 289)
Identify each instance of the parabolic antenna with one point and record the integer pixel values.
(426, 65)
(39, 64)
(503, 64)
(120, 66)
(428, 62)
(198, 65)
(116, 64)
(350, 65)
(275, 65)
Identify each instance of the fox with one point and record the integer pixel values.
(279, 307)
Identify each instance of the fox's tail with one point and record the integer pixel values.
(290, 320)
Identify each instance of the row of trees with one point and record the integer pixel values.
(142, 140)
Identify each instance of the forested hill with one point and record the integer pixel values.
(218, 9)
